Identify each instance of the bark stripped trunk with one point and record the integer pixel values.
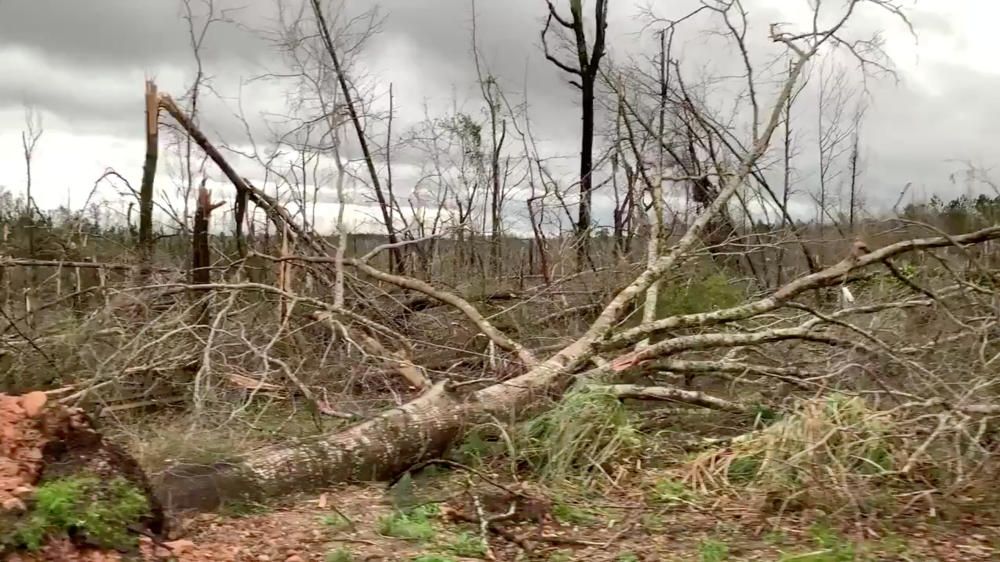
(201, 252)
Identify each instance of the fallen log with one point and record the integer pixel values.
(376, 449)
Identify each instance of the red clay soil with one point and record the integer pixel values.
(21, 444)
(38, 439)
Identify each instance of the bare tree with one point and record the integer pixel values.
(854, 195)
(586, 71)
(385, 205)
(833, 133)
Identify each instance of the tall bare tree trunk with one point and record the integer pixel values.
(146, 243)
(385, 205)
(586, 72)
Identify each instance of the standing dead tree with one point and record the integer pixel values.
(395, 440)
(586, 71)
(146, 242)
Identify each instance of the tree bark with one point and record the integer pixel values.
(146, 243)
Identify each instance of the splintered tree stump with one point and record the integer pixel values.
(42, 442)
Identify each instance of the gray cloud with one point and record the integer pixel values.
(84, 63)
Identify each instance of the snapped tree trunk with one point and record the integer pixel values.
(146, 243)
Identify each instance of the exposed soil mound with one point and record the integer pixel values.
(53, 461)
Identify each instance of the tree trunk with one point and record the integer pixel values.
(586, 175)
(148, 175)
(376, 449)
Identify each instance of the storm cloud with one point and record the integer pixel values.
(81, 66)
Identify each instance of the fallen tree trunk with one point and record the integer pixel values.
(377, 449)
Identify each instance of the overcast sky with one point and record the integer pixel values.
(81, 65)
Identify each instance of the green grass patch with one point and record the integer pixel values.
(713, 550)
(569, 514)
(339, 555)
(670, 491)
(81, 506)
(467, 545)
(433, 558)
(411, 524)
(335, 522)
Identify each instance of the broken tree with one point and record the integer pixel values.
(397, 439)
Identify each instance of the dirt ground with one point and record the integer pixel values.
(435, 517)
(349, 523)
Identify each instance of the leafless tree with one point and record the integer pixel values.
(585, 69)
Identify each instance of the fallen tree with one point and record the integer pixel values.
(396, 440)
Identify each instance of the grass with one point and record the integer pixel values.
(831, 546)
(833, 447)
(335, 522)
(467, 545)
(339, 555)
(411, 524)
(713, 550)
(569, 514)
(670, 491)
(83, 506)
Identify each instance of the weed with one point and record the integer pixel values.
(433, 558)
(627, 557)
(743, 470)
(339, 555)
(712, 550)
(776, 537)
(653, 522)
(238, 508)
(571, 515)
(474, 449)
(559, 556)
(832, 547)
(671, 491)
(83, 506)
(468, 545)
(335, 522)
(412, 524)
